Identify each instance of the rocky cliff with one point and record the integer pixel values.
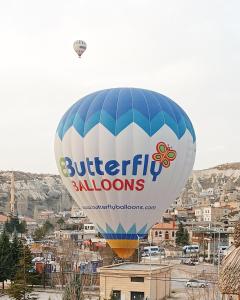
(34, 192)
(221, 183)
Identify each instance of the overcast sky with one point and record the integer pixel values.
(187, 50)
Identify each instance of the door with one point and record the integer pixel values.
(166, 235)
(116, 295)
(137, 296)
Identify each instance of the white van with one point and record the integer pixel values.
(151, 250)
(191, 249)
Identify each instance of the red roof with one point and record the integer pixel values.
(165, 226)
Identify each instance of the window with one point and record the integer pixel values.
(166, 235)
(173, 234)
(156, 233)
(160, 233)
(137, 279)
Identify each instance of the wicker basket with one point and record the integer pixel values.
(229, 277)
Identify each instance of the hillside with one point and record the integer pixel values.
(36, 192)
(221, 183)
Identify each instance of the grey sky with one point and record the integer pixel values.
(187, 50)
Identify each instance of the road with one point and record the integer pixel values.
(182, 273)
(42, 296)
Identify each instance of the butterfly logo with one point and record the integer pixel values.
(164, 154)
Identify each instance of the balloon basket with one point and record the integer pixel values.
(123, 248)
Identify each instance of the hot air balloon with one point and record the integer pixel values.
(79, 47)
(125, 154)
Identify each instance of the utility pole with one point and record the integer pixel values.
(44, 275)
(151, 240)
(24, 272)
(138, 248)
(219, 240)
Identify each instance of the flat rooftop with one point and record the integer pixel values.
(134, 267)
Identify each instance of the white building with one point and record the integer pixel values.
(74, 235)
(76, 212)
(89, 231)
(210, 213)
(207, 192)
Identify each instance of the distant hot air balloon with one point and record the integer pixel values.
(125, 154)
(79, 47)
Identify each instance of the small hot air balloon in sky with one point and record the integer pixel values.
(125, 154)
(79, 47)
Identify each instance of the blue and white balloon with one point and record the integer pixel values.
(125, 154)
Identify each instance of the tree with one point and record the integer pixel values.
(9, 227)
(41, 232)
(22, 227)
(182, 236)
(186, 237)
(47, 227)
(20, 288)
(38, 234)
(14, 225)
(60, 222)
(74, 289)
(25, 253)
(5, 269)
(14, 256)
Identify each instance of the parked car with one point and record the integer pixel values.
(196, 283)
(195, 260)
(188, 261)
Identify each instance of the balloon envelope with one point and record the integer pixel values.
(79, 46)
(125, 154)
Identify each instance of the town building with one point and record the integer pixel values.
(207, 192)
(46, 215)
(77, 216)
(183, 214)
(211, 237)
(131, 281)
(163, 234)
(210, 213)
(74, 235)
(205, 201)
(89, 231)
(76, 212)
